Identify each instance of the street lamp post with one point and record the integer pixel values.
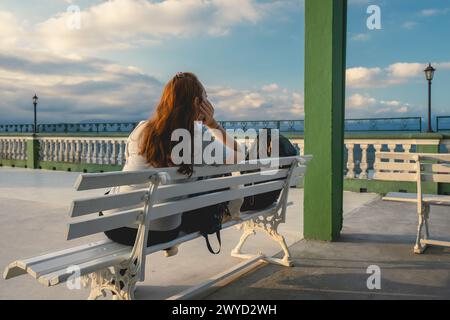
(35, 99)
(429, 74)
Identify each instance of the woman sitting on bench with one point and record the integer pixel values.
(183, 102)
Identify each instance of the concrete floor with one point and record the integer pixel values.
(33, 217)
(378, 233)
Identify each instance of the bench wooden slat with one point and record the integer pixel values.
(75, 258)
(435, 199)
(434, 167)
(395, 176)
(112, 179)
(434, 177)
(400, 166)
(101, 224)
(46, 263)
(96, 263)
(247, 215)
(176, 190)
(166, 209)
(23, 264)
(397, 156)
(82, 207)
(434, 157)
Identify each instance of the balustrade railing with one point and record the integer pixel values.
(359, 152)
(13, 148)
(294, 126)
(443, 123)
(107, 151)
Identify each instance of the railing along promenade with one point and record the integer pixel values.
(101, 147)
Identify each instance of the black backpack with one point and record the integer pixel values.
(206, 220)
(264, 200)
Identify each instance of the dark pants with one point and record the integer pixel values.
(127, 236)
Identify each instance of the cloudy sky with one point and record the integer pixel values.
(248, 53)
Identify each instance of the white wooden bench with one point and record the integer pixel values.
(416, 167)
(113, 268)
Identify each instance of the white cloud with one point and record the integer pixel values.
(232, 104)
(358, 101)
(363, 105)
(394, 74)
(409, 25)
(360, 77)
(270, 87)
(120, 24)
(433, 12)
(360, 37)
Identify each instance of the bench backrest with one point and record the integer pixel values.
(160, 186)
(398, 166)
(414, 167)
(157, 200)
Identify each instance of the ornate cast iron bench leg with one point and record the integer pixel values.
(119, 280)
(423, 222)
(269, 225)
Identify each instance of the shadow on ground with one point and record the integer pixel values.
(380, 234)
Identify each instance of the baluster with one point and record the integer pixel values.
(66, 150)
(71, 151)
(101, 145)
(10, 148)
(23, 149)
(350, 161)
(89, 151)
(43, 146)
(364, 165)
(107, 152)
(407, 149)
(95, 152)
(6, 152)
(78, 151)
(5, 149)
(377, 148)
(14, 151)
(113, 157)
(61, 150)
(121, 155)
(302, 147)
(84, 151)
(125, 146)
(53, 150)
(19, 149)
(1, 149)
(391, 148)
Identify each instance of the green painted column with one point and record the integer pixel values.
(32, 153)
(325, 55)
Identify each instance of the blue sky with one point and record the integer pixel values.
(248, 53)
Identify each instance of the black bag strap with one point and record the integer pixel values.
(209, 244)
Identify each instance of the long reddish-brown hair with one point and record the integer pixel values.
(175, 110)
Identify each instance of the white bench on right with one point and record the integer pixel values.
(416, 167)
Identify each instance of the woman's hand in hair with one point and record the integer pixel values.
(207, 110)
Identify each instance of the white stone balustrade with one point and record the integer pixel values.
(360, 153)
(359, 168)
(13, 148)
(101, 150)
